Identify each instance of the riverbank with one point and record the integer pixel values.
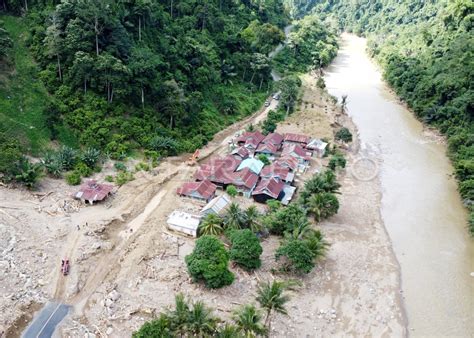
(420, 206)
(356, 291)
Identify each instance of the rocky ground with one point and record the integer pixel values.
(126, 267)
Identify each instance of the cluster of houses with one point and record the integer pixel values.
(288, 154)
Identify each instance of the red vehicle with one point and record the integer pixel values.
(65, 266)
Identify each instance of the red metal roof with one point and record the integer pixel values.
(269, 186)
(228, 163)
(296, 151)
(92, 191)
(289, 162)
(251, 139)
(204, 171)
(242, 152)
(275, 170)
(215, 174)
(267, 148)
(298, 138)
(244, 178)
(204, 189)
(273, 138)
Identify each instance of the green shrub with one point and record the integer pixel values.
(28, 173)
(298, 256)
(273, 205)
(82, 169)
(337, 160)
(53, 164)
(343, 135)
(123, 177)
(208, 263)
(73, 178)
(153, 156)
(268, 127)
(10, 156)
(67, 157)
(120, 166)
(164, 145)
(231, 190)
(284, 219)
(109, 178)
(264, 159)
(142, 166)
(90, 157)
(245, 249)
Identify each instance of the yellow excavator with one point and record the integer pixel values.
(193, 159)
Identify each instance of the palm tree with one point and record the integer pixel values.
(323, 205)
(229, 331)
(300, 227)
(271, 298)
(235, 217)
(200, 321)
(247, 319)
(211, 225)
(321, 182)
(252, 217)
(180, 315)
(159, 327)
(316, 243)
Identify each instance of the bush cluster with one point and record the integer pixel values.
(208, 263)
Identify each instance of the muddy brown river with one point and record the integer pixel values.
(421, 208)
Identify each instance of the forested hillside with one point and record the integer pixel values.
(426, 49)
(310, 45)
(124, 72)
(126, 75)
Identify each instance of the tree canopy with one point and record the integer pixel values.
(209, 263)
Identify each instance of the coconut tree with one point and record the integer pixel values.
(247, 319)
(229, 331)
(201, 322)
(235, 217)
(271, 298)
(323, 205)
(299, 228)
(211, 225)
(315, 241)
(179, 316)
(252, 217)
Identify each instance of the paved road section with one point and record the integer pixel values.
(45, 321)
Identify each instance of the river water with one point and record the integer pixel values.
(421, 208)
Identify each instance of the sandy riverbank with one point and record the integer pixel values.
(119, 279)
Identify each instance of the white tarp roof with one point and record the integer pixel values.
(184, 220)
(217, 204)
(289, 192)
(316, 144)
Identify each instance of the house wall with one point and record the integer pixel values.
(183, 230)
(261, 198)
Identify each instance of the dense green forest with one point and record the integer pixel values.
(121, 73)
(310, 45)
(126, 75)
(426, 49)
